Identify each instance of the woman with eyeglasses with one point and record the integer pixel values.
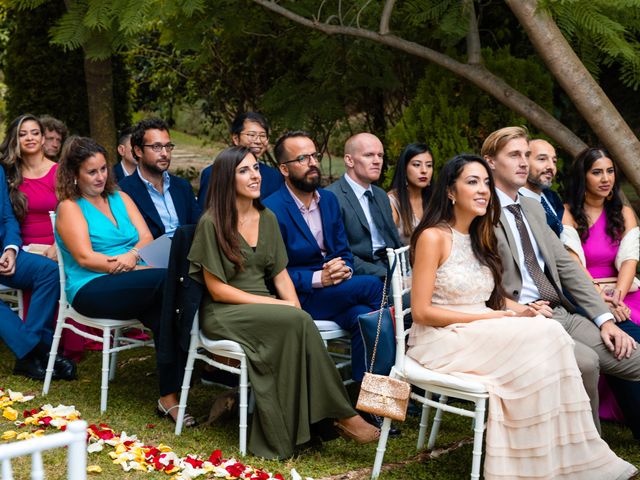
(409, 194)
(238, 249)
(99, 232)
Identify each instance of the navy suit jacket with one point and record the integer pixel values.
(181, 193)
(9, 228)
(357, 227)
(555, 201)
(271, 181)
(118, 171)
(304, 253)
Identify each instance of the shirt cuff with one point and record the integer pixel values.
(316, 280)
(600, 319)
(12, 247)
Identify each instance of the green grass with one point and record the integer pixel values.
(132, 399)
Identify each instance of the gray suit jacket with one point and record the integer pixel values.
(357, 227)
(563, 271)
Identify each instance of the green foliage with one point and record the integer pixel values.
(452, 116)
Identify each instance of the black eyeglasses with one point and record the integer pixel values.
(305, 158)
(157, 147)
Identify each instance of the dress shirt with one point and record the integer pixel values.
(377, 240)
(529, 292)
(124, 170)
(163, 203)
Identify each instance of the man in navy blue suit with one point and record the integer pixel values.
(30, 341)
(251, 130)
(127, 164)
(320, 261)
(165, 201)
(542, 171)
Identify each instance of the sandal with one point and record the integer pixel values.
(370, 434)
(188, 420)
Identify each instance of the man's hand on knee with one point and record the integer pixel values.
(8, 262)
(617, 341)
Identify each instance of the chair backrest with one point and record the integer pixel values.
(400, 286)
(61, 274)
(74, 437)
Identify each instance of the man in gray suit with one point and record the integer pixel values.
(365, 208)
(537, 268)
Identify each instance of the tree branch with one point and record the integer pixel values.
(475, 74)
(386, 17)
(474, 54)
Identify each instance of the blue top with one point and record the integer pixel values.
(106, 238)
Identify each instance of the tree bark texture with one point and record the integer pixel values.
(592, 103)
(102, 123)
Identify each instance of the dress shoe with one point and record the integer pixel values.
(376, 421)
(64, 369)
(29, 367)
(360, 435)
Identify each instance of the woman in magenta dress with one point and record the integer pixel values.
(602, 234)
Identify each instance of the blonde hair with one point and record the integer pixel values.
(498, 139)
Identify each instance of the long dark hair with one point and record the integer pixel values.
(483, 239)
(577, 187)
(400, 185)
(221, 202)
(11, 160)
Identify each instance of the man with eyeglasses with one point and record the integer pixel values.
(165, 201)
(251, 130)
(364, 207)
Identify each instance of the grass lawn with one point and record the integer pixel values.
(132, 399)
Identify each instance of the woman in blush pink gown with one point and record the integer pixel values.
(602, 234)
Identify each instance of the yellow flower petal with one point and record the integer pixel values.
(23, 436)
(8, 435)
(10, 414)
(94, 469)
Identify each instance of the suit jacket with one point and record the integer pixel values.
(357, 227)
(118, 171)
(181, 193)
(304, 253)
(9, 228)
(271, 181)
(563, 271)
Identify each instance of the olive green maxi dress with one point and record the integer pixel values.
(294, 380)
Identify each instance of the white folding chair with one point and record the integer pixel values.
(446, 386)
(332, 332)
(14, 297)
(219, 348)
(74, 437)
(110, 347)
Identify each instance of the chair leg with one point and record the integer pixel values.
(57, 333)
(184, 393)
(106, 350)
(37, 470)
(243, 407)
(114, 355)
(382, 447)
(424, 422)
(436, 424)
(478, 433)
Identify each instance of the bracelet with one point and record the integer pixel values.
(136, 253)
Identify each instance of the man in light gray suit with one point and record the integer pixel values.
(537, 268)
(365, 208)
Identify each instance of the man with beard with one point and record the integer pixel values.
(320, 262)
(165, 201)
(542, 171)
(365, 208)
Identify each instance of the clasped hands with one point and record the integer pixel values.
(334, 272)
(612, 297)
(124, 262)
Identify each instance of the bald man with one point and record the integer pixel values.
(542, 170)
(365, 208)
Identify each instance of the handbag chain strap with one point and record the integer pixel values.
(380, 312)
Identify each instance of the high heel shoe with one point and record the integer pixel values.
(364, 434)
(188, 420)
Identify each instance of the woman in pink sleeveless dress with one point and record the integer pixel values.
(602, 234)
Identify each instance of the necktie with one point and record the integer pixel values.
(376, 215)
(552, 219)
(545, 288)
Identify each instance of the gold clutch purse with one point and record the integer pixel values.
(384, 396)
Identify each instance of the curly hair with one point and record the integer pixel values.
(11, 160)
(576, 189)
(75, 152)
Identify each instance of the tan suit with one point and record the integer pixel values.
(565, 273)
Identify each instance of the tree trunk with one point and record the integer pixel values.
(592, 103)
(99, 77)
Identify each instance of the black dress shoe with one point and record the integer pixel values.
(29, 367)
(376, 421)
(64, 369)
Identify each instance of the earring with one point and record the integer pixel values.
(75, 181)
(453, 201)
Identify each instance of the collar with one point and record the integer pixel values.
(358, 189)
(525, 192)
(506, 200)
(301, 206)
(148, 184)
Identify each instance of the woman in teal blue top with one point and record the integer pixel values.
(99, 231)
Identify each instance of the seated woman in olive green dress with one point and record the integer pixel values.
(236, 248)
